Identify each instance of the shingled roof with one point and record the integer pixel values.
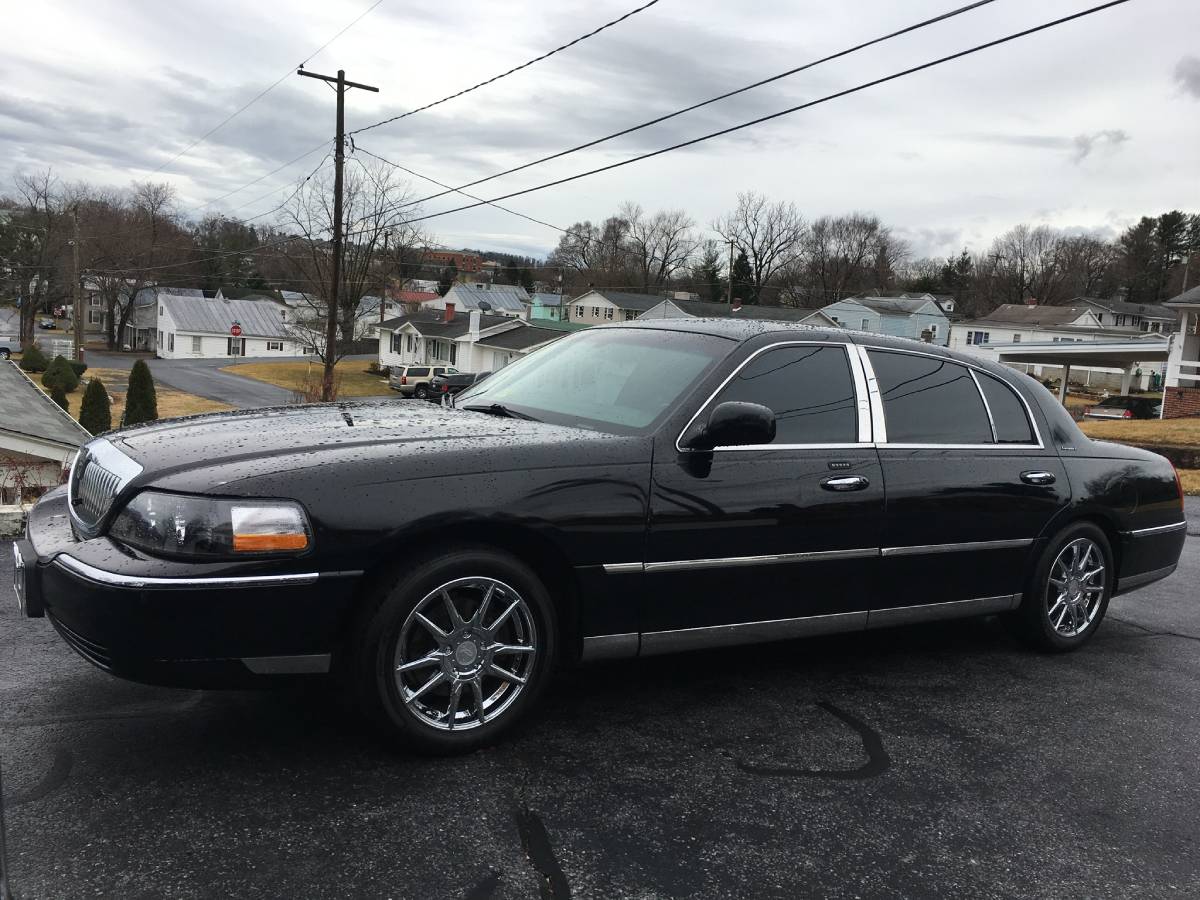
(27, 411)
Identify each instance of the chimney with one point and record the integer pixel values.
(473, 327)
(449, 312)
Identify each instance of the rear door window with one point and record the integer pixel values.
(927, 400)
(1008, 412)
(418, 373)
(809, 388)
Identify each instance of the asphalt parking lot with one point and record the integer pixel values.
(944, 760)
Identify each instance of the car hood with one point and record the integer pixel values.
(354, 429)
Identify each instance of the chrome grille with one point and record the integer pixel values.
(100, 473)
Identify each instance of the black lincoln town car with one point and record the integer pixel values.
(634, 489)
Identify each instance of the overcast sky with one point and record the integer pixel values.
(1086, 127)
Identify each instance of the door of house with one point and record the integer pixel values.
(237, 346)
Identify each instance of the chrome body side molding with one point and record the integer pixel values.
(932, 612)
(656, 642)
(310, 664)
(1157, 529)
(115, 579)
(967, 547)
(609, 646)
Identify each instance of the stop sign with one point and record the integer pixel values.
(236, 330)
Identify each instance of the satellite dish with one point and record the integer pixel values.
(484, 306)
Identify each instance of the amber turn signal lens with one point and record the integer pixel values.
(265, 543)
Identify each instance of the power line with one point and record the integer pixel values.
(264, 92)
(758, 121)
(494, 78)
(679, 112)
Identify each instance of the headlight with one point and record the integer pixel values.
(173, 524)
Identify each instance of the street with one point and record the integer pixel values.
(204, 377)
(943, 760)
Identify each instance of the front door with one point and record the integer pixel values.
(971, 482)
(237, 346)
(742, 538)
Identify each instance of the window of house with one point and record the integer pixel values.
(195, 343)
(171, 342)
(608, 313)
(275, 345)
(95, 300)
(411, 343)
(160, 341)
(865, 325)
(810, 390)
(927, 400)
(1008, 412)
(160, 309)
(579, 310)
(631, 314)
(394, 342)
(1016, 339)
(453, 352)
(95, 317)
(595, 312)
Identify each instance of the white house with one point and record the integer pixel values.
(919, 317)
(37, 438)
(596, 307)
(675, 308)
(191, 327)
(1015, 323)
(1148, 317)
(493, 299)
(471, 342)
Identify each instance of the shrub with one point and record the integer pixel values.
(33, 359)
(95, 410)
(141, 400)
(60, 374)
(59, 396)
(77, 367)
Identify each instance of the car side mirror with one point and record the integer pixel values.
(734, 423)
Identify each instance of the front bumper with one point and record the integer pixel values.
(185, 624)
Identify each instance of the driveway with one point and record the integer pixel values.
(946, 760)
(204, 377)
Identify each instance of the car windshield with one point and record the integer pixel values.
(622, 380)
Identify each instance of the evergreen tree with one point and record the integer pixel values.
(525, 279)
(449, 276)
(509, 273)
(59, 396)
(141, 401)
(33, 359)
(743, 279)
(95, 412)
(60, 374)
(707, 275)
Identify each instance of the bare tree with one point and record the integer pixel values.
(39, 245)
(660, 245)
(373, 202)
(770, 234)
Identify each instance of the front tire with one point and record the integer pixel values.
(456, 653)
(1068, 593)
(5, 354)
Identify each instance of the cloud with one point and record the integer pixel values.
(1187, 74)
(1109, 139)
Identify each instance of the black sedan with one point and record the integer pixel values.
(1123, 407)
(635, 489)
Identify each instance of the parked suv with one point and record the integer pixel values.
(414, 381)
(443, 386)
(1123, 407)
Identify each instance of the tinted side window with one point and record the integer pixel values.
(418, 373)
(1008, 413)
(929, 401)
(809, 389)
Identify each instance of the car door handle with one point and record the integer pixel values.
(1038, 477)
(845, 483)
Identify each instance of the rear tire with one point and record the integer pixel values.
(421, 392)
(1068, 592)
(442, 682)
(5, 354)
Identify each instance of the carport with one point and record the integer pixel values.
(1123, 355)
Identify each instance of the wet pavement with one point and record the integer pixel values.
(946, 760)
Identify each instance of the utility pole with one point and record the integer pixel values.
(729, 287)
(78, 285)
(339, 159)
(386, 271)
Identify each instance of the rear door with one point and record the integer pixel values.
(971, 483)
(770, 540)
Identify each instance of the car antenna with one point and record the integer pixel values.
(5, 890)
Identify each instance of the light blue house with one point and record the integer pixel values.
(917, 317)
(545, 306)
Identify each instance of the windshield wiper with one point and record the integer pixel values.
(499, 409)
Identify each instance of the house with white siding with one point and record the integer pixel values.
(492, 299)
(919, 318)
(472, 342)
(598, 307)
(198, 327)
(675, 308)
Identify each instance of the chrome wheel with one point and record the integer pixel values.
(1076, 587)
(465, 653)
